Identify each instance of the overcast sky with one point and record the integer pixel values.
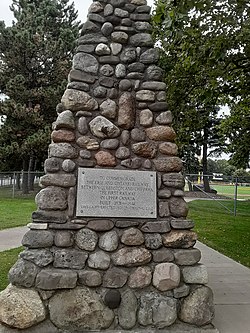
(81, 5)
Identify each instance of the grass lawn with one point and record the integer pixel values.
(15, 212)
(243, 192)
(7, 260)
(223, 232)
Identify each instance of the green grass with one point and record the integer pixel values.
(228, 190)
(15, 212)
(7, 260)
(220, 230)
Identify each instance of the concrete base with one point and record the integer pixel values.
(48, 327)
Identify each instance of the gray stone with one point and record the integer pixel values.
(197, 308)
(108, 10)
(119, 37)
(100, 225)
(62, 150)
(149, 57)
(50, 279)
(158, 106)
(165, 118)
(179, 193)
(85, 62)
(168, 164)
(136, 67)
(107, 28)
(163, 255)
(23, 273)
(111, 59)
(153, 85)
(100, 92)
(128, 54)
(157, 310)
(21, 308)
(87, 48)
(125, 136)
(90, 278)
(144, 8)
(112, 299)
(113, 19)
(153, 241)
(182, 224)
(88, 27)
(76, 100)
(143, 26)
(164, 193)
(76, 75)
(87, 163)
(154, 72)
(68, 165)
(37, 226)
(127, 310)
(110, 143)
(137, 134)
(95, 7)
(126, 113)
(132, 236)
(65, 120)
(121, 13)
(126, 224)
(130, 257)
(164, 209)
(185, 257)
(39, 257)
(38, 238)
(145, 96)
(107, 70)
(96, 18)
(43, 216)
(125, 85)
(175, 180)
(120, 71)
(60, 180)
(69, 258)
(179, 239)
(78, 310)
(141, 39)
(86, 239)
(122, 153)
(140, 17)
(82, 125)
(107, 82)
(147, 164)
(116, 48)
(44, 326)
(135, 76)
(166, 276)
(92, 38)
(108, 108)
(161, 96)
(113, 93)
(109, 241)
(88, 143)
(140, 278)
(99, 260)
(64, 239)
(195, 274)
(145, 149)
(52, 165)
(181, 291)
(178, 207)
(103, 128)
(146, 118)
(115, 278)
(156, 227)
(168, 148)
(85, 154)
(118, 3)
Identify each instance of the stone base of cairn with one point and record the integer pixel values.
(121, 272)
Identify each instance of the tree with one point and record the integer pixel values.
(35, 58)
(205, 57)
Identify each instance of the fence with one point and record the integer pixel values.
(19, 183)
(218, 187)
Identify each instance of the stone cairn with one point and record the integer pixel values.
(82, 273)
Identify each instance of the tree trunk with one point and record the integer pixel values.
(204, 162)
(32, 163)
(25, 187)
(18, 179)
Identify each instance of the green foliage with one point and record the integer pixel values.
(205, 56)
(35, 58)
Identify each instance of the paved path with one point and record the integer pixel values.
(229, 281)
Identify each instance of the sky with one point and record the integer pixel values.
(81, 5)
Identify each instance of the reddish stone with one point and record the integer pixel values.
(144, 149)
(179, 239)
(140, 278)
(132, 236)
(62, 136)
(130, 257)
(161, 133)
(126, 113)
(104, 158)
(168, 164)
(178, 207)
(168, 148)
(166, 276)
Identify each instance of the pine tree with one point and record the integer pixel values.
(35, 58)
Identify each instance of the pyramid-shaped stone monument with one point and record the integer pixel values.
(110, 247)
